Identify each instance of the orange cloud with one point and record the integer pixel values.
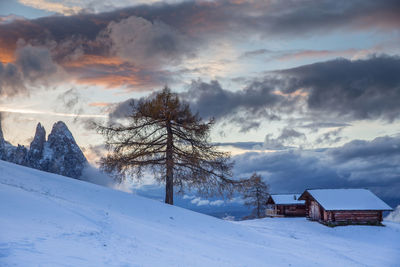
(92, 60)
(7, 50)
(298, 93)
(112, 72)
(110, 80)
(6, 57)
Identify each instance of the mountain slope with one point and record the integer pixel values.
(51, 220)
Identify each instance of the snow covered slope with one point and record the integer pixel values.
(51, 220)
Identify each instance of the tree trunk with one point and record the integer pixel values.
(169, 178)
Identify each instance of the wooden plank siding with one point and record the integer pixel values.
(285, 210)
(291, 210)
(314, 211)
(356, 216)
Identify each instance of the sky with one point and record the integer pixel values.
(306, 93)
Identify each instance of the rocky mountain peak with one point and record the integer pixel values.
(37, 146)
(66, 156)
(59, 154)
(60, 130)
(39, 139)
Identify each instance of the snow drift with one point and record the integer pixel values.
(51, 220)
(394, 216)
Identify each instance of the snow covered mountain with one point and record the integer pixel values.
(59, 154)
(51, 220)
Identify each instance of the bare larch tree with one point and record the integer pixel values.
(255, 194)
(163, 135)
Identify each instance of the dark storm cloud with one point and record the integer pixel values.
(351, 90)
(242, 107)
(122, 109)
(10, 80)
(35, 62)
(33, 66)
(359, 89)
(371, 164)
(203, 18)
(321, 93)
(211, 100)
(283, 140)
(321, 16)
(154, 36)
(330, 137)
(382, 147)
(146, 43)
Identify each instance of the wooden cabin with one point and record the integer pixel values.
(287, 205)
(343, 206)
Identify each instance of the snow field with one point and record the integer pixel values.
(51, 220)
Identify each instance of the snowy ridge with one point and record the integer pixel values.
(51, 220)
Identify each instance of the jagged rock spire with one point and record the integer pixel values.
(59, 154)
(67, 158)
(37, 146)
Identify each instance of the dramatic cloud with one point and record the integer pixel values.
(360, 89)
(152, 37)
(271, 17)
(318, 94)
(35, 62)
(372, 164)
(121, 110)
(341, 88)
(386, 147)
(33, 67)
(325, 91)
(10, 80)
(211, 100)
(286, 137)
(330, 137)
(258, 100)
(148, 43)
(116, 73)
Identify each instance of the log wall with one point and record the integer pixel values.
(314, 211)
(357, 216)
(292, 210)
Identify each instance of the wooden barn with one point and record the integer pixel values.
(287, 205)
(343, 206)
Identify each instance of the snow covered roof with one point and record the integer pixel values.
(347, 199)
(287, 199)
